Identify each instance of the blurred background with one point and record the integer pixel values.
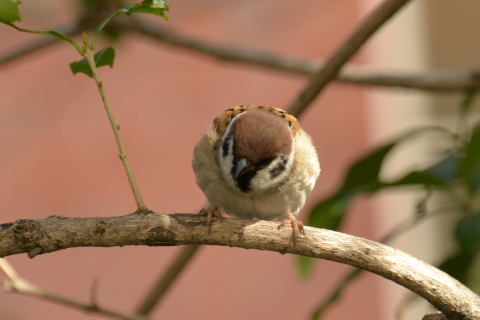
(58, 154)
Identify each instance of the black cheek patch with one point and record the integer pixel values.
(226, 146)
(245, 180)
(278, 169)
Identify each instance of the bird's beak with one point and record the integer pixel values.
(243, 166)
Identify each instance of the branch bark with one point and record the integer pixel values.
(57, 233)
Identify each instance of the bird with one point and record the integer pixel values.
(256, 162)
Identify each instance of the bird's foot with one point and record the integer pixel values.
(210, 212)
(297, 226)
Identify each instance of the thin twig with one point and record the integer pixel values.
(336, 293)
(15, 283)
(435, 316)
(153, 298)
(89, 56)
(93, 293)
(321, 78)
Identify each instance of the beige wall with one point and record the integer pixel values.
(428, 35)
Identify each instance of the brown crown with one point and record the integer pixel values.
(221, 122)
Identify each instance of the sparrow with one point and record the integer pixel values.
(256, 162)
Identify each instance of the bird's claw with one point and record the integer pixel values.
(297, 227)
(210, 213)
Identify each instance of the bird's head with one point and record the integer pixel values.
(256, 151)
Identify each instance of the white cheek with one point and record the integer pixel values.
(226, 164)
(263, 180)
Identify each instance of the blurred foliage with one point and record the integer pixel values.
(455, 175)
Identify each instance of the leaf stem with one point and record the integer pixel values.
(52, 33)
(102, 25)
(89, 56)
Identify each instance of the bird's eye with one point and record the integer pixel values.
(264, 162)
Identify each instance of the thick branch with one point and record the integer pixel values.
(57, 233)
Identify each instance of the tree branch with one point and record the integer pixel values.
(164, 282)
(15, 283)
(440, 81)
(353, 274)
(321, 78)
(57, 233)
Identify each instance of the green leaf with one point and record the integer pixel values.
(363, 175)
(157, 7)
(9, 12)
(423, 178)
(304, 266)
(440, 174)
(105, 57)
(102, 58)
(457, 266)
(468, 234)
(361, 178)
(81, 66)
(469, 169)
(328, 214)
